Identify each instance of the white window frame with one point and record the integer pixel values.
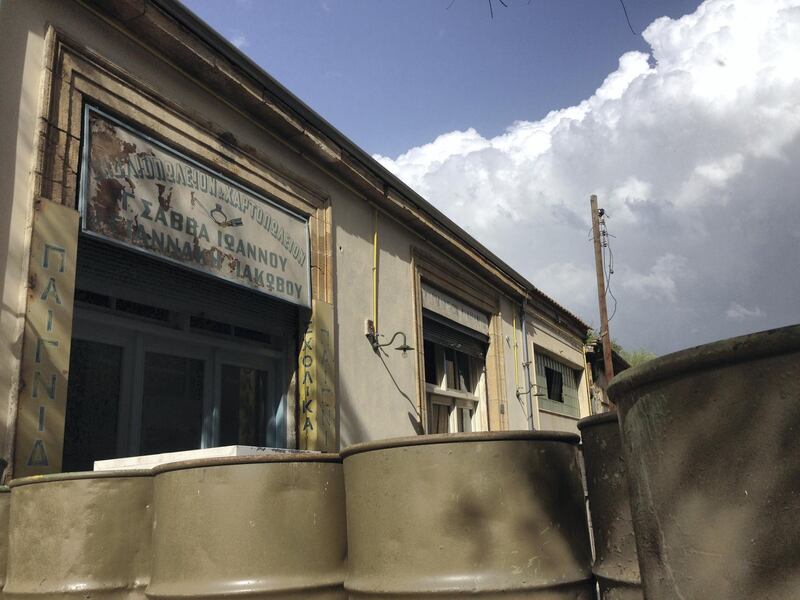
(443, 394)
(137, 336)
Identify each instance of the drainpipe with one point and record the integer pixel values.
(527, 365)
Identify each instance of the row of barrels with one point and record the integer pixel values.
(708, 440)
(491, 515)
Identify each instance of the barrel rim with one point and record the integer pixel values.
(223, 461)
(79, 475)
(450, 438)
(730, 351)
(598, 419)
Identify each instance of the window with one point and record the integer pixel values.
(140, 385)
(554, 384)
(164, 359)
(454, 377)
(557, 385)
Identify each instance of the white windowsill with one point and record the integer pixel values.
(437, 391)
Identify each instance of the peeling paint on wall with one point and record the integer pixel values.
(317, 409)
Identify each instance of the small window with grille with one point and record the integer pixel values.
(557, 385)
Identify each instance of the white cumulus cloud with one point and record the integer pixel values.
(694, 152)
(737, 311)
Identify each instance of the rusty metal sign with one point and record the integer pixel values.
(138, 193)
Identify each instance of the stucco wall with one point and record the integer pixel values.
(377, 392)
(515, 375)
(21, 51)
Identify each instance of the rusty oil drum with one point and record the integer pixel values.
(711, 438)
(268, 527)
(616, 566)
(80, 535)
(479, 515)
(5, 506)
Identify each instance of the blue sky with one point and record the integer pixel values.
(689, 133)
(392, 74)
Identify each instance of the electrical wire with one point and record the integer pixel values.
(608, 261)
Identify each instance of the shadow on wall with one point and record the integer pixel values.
(539, 516)
(352, 428)
(413, 415)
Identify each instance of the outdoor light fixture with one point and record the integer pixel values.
(533, 387)
(372, 336)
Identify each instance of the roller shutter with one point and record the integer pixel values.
(450, 334)
(109, 270)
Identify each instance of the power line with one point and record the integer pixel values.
(608, 259)
(625, 10)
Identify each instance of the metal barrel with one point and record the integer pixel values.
(80, 535)
(484, 515)
(711, 439)
(259, 526)
(616, 566)
(5, 506)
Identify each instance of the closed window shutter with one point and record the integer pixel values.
(109, 270)
(450, 334)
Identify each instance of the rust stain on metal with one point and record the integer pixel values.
(164, 201)
(179, 210)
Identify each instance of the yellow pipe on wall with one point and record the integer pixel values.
(516, 356)
(375, 271)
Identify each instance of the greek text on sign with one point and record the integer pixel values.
(140, 194)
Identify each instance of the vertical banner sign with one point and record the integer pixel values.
(317, 411)
(140, 194)
(46, 343)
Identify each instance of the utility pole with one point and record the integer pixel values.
(605, 338)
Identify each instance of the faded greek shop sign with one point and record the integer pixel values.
(46, 343)
(138, 193)
(317, 427)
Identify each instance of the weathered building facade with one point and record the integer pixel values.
(193, 258)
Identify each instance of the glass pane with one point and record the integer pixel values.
(440, 418)
(245, 413)
(450, 368)
(172, 407)
(464, 376)
(554, 384)
(465, 419)
(90, 432)
(429, 350)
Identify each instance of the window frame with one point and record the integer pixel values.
(136, 336)
(569, 404)
(456, 399)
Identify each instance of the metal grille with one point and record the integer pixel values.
(569, 391)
